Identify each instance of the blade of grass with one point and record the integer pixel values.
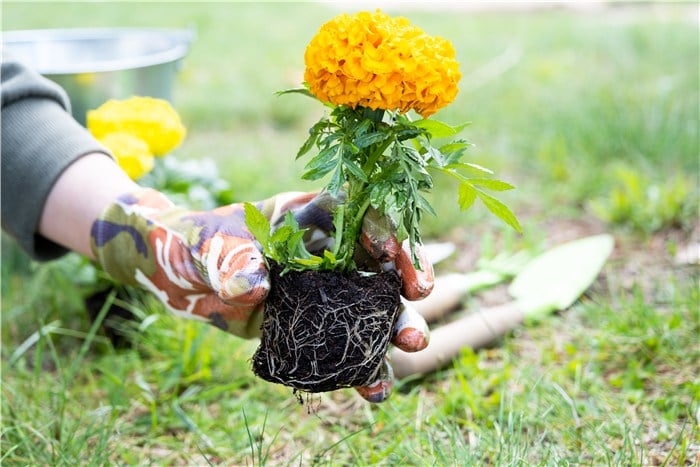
(90, 337)
(31, 340)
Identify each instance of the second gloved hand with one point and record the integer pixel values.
(206, 264)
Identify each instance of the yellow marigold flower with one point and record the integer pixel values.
(376, 61)
(154, 121)
(132, 153)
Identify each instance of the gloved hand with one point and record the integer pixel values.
(206, 265)
(411, 332)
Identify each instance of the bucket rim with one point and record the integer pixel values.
(179, 47)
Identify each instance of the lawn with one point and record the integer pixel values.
(591, 112)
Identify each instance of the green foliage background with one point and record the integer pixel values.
(591, 111)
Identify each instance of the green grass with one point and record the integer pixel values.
(559, 101)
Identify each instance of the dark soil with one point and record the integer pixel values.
(323, 331)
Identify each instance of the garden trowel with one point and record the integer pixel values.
(450, 289)
(550, 282)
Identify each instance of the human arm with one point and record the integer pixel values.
(39, 142)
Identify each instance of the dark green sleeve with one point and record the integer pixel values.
(39, 140)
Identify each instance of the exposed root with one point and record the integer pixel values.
(325, 330)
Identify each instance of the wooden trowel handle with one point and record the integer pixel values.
(445, 297)
(475, 330)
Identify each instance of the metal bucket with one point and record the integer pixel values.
(94, 65)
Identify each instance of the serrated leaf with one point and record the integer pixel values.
(281, 235)
(335, 183)
(401, 232)
(466, 195)
(315, 133)
(368, 139)
(438, 129)
(434, 154)
(330, 138)
(491, 184)
(454, 151)
(329, 256)
(322, 164)
(258, 225)
(308, 144)
(378, 194)
(290, 220)
(423, 204)
(469, 166)
(408, 132)
(454, 146)
(355, 169)
(295, 245)
(500, 210)
(408, 154)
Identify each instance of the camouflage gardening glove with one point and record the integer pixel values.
(411, 332)
(380, 245)
(206, 265)
(202, 265)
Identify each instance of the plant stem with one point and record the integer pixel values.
(358, 199)
(351, 229)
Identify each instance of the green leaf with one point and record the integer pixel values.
(380, 191)
(500, 210)
(438, 129)
(423, 204)
(454, 151)
(454, 147)
(491, 184)
(258, 225)
(290, 220)
(315, 133)
(311, 262)
(469, 166)
(467, 195)
(408, 132)
(330, 138)
(329, 258)
(308, 144)
(303, 91)
(436, 155)
(368, 139)
(355, 169)
(335, 183)
(281, 235)
(321, 164)
(296, 247)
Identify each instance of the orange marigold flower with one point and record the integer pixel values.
(376, 61)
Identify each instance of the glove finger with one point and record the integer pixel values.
(317, 217)
(274, 208)
(236, 270)
(415, 283)
(380, 390)
(378, 237)
(312, 211)
(319, 211)
(411, 332)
